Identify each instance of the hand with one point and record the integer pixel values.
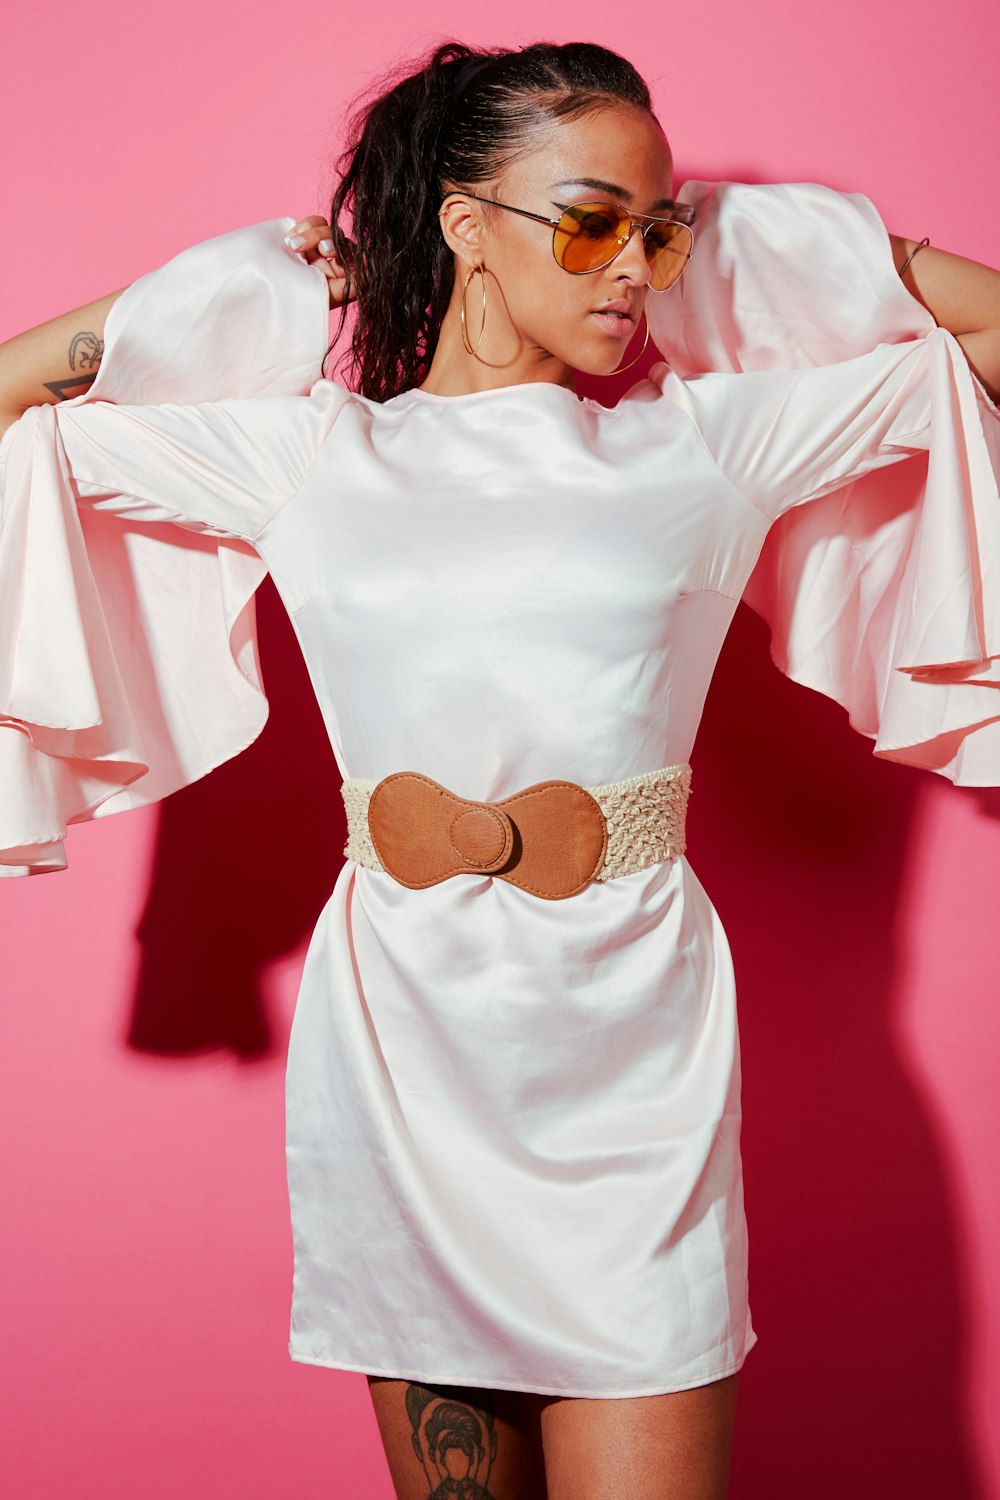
(316, 248)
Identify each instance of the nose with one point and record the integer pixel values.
(631, 258)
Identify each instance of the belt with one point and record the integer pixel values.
(550, 838)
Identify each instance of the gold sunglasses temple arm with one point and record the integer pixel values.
(512, 210)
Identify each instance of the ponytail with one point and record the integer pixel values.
(459, 120)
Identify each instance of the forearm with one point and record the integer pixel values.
(53, 361)
(960, 295)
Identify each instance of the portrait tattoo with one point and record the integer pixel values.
(85, 353)
(454, 1440)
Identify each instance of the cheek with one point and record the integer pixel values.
(548, 306)
(551, 303)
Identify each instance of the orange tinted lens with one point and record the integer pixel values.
(588, 236)
(668, 248)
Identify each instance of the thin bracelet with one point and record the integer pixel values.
(912, 253)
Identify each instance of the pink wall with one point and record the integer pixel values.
(146, 1256)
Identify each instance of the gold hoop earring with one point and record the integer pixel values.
(468, 277)
(631, 361)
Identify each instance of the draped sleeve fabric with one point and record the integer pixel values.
(128, 652)
(784, 437)
(221, 468)
(879, 580)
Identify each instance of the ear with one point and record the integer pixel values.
(463, 228)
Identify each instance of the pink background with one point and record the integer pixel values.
(146, 1253)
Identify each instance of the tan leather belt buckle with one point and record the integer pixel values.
(549, 838)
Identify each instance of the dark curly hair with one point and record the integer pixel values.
(459, 120)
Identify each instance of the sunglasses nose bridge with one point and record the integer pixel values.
(625, 239)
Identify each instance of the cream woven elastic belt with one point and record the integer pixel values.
(550, 838)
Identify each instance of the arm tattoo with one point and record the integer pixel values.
(85, 353)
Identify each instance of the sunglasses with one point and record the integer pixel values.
(587, 237)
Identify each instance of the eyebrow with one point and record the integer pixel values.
(614, 188)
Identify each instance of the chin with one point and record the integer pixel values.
(599, 367)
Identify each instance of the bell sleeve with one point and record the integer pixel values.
(128, 516)
(810, 371)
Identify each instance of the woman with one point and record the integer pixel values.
(513, 1102)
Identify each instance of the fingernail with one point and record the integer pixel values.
(294, 241)
(326, 247)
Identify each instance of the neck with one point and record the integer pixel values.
(501, 357)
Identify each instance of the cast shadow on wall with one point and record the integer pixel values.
(243, 862)
(799, 835)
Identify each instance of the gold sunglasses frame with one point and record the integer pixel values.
(684, 217)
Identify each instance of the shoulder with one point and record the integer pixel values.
(309, 417)
(700, 393)
(728, 393)
(326, 399)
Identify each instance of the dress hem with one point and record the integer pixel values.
(510, 1385)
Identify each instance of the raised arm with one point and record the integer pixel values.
(130, 661)
(961, 295)
(53, 361)
(222, 467)
(782, 437)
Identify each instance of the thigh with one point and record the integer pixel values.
(676, 1446)
(465, 1442)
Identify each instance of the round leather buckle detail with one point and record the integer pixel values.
(481, 836)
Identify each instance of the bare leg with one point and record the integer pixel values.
(460, 1442)
(676, 1446)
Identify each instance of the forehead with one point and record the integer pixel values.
(621, 148)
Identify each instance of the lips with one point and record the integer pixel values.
(620, 324)
(625, 308)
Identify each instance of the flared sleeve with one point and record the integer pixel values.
(128, 650)
(879, 580)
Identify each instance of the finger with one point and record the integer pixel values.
(305, 235)
(331, 269)
(315, 236)
(336, 284)
(327, 257)
(322, 250)
(345, 257)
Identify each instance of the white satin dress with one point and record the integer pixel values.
(513, 1124)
